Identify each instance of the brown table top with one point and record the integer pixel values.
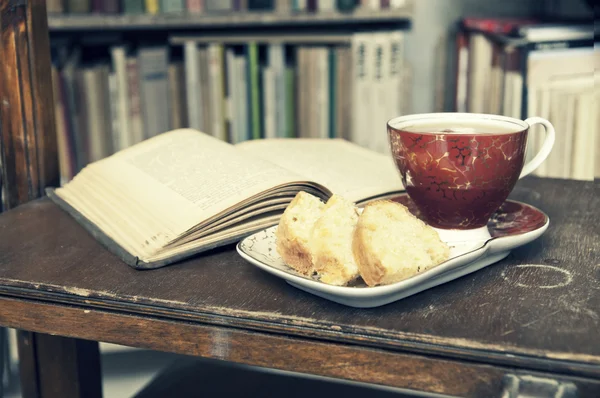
(513, 320)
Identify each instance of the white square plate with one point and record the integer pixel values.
(514, 224)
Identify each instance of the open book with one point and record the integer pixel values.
(185, 192)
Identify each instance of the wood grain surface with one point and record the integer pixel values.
(537, 309)
(27, 129)
(337, 360)
(49, 365)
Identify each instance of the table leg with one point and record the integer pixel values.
(54, 366)
(2, 358)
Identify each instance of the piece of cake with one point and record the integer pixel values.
(331, 242)
(390, 244)
(294, 231)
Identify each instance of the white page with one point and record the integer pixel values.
(344, 168)
(177, 180)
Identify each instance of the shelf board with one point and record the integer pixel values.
(300, 38)
(61, 23)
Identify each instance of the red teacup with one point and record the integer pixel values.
(459, 168)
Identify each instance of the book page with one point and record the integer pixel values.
(205, 172)
(344, 168)
(174, 181)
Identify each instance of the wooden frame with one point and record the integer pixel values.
(49, 365)
(27, 131)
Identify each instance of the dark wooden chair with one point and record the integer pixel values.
(29, 163)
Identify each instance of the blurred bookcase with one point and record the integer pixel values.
(125, 71)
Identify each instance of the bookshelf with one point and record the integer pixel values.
(428, 50)
(119, 50)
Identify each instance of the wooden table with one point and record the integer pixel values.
(509, 325)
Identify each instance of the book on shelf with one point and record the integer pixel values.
(522, 68)
(184, 192)
(235, 91)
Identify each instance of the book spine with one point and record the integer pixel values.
(216, 82)
(232, 95)
(172, 6)
(324, 87)
(253, 71)
(325, 5)
(396, 73)
(346, 96)
(313, 111)
(268, 90)
(346, 5)
(61, 129)
(96, 147)
(361, 54)
(152, 6)
(177, 96)
(79, 6)
(82, 133)
(114, 111)
(568, 158)
(395, 4)
(153, 67)
(133, 6)
(218, 5)
(379, 94)
(72, 109)
(374, 4)
(106, 124)
(195, 6)
(283, 6)
(277, 66)
(301, 74)
(462, 71)
(341, 80)
(480, 61)
(112, 6)
(332, 91)
(290, 102)
(242, 99)
(585, 162)
(192, 79)
(97, 6)
(207, 106)
(120, 67)
(135, 109)
(55, 7)
(264, 5)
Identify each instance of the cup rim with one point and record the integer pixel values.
(397, 122)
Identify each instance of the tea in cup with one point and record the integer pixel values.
(458, 168)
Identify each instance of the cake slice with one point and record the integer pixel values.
(331, 242)
(390, 244)
(294, 231)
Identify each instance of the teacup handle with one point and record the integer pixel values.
(546, 147)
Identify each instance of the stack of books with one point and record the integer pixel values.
(523, 68)
(234, 92)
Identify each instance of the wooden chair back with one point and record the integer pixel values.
(28, 145)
